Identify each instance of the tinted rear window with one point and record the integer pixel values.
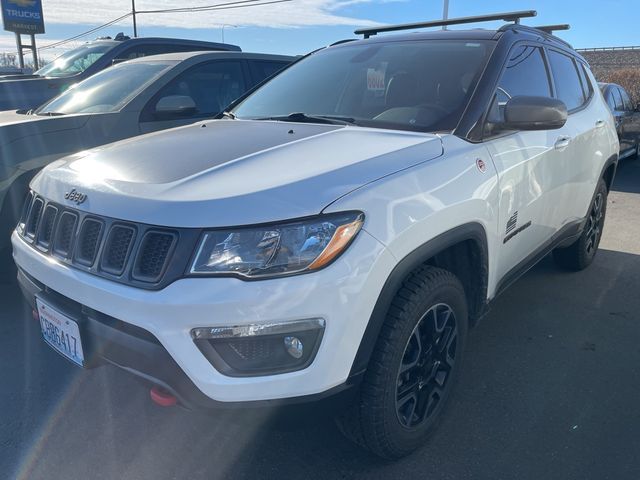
(566, 79)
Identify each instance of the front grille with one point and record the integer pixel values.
(137, 254)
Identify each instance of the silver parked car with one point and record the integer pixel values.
(132, 98)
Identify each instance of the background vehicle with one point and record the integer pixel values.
(336, 234)
(138, 96)
(627, 117)
(31, 91)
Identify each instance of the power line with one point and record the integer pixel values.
(204, 8)
(197, 9)
(220, 6)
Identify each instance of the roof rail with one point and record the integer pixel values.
(553, 28)
(507, 17)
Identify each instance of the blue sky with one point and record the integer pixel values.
(309, 24)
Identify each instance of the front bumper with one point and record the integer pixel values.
(148, 332)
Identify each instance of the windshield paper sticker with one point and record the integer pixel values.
(376, 81)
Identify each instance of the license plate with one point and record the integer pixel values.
(60, 332)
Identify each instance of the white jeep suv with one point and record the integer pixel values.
(334, 234)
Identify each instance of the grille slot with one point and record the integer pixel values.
(45, 232)
(34, 217)
(64, 234)
(117, 249)
(88, 241)
(153, 254)
(25, 211)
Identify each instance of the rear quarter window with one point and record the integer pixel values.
(567, 80)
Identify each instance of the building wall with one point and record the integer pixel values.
(604, 62)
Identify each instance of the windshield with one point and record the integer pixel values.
(75, 61)
(409, 85)
(106, 91)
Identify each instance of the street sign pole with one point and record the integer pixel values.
(20, 52)
(34, 50)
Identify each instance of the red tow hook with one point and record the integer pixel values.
(162, 397)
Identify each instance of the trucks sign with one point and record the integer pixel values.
(23, 16)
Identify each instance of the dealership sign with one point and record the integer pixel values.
(23, 16)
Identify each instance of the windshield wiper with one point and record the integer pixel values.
(304, 118)
(50, 114)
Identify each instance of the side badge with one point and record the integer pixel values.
(481, 165)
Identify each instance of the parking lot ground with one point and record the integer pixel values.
(550, 389)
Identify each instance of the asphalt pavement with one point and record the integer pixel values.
(550, 390)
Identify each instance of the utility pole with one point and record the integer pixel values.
(133, 14)
(445, 12)
(226, 25)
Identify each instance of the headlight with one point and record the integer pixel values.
(273, 250)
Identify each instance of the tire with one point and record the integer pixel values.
(581, 253)
(413, 368)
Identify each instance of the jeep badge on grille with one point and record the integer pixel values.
(75, 196)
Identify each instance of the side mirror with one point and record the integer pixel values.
(175, 106)
(534, 113)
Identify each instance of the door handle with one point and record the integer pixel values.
(562, 143)
(600, 124)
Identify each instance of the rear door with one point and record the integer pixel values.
(620, 117)
(526, 162)
(581, 135)
(212, 86)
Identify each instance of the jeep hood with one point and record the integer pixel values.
(232, 172)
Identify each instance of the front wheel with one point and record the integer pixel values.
(413, 368)
(581, 253)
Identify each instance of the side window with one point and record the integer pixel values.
(610, 100)
(566, 79)
(587, 88)
(212, 87)
(262, 69)
(524, 74)
(617, 98)
(626, 100)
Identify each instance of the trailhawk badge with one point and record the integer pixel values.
(75, 196)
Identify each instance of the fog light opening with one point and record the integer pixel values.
(294, 347)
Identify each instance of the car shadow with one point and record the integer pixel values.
(627, 178)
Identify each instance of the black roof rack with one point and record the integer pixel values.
(553, 28)
(506, 17)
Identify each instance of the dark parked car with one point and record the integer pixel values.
(31, 91)
(627, 118)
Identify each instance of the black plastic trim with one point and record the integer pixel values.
(470, 231)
